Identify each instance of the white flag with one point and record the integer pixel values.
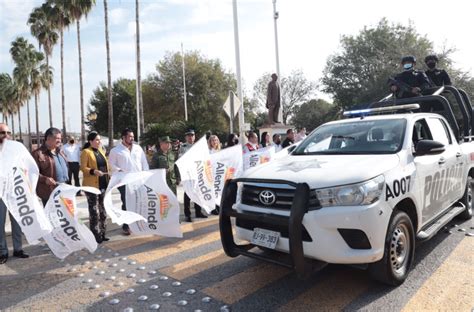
(258, 157)
(68, 234)
(152, 198)
(117, 215)
(20, 176)
(195, 169)
(226, 164)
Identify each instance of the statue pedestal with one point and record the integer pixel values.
(277, 128)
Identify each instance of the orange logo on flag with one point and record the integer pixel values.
(229, 173)
(264, 159)
(164, 206)
(208, 170)
(68, 203)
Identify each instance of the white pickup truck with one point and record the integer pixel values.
(360, 190)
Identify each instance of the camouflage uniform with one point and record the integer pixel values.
(166, 161)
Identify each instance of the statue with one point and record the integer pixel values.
(273, 100)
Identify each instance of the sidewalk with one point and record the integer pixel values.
(83, 212)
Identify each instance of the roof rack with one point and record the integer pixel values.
(382, 110)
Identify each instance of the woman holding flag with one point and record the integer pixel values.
(94, 167)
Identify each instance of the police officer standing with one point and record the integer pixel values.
(438, 77)
(164, 159)
(411, 82)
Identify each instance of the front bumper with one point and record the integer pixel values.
(322, 225)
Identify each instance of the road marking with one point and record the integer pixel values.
(332, 293)
(196, 265)
(238, 286)
(450, 287)
(133, 241)
(180, 246)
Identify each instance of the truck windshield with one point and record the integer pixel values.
(357, 137)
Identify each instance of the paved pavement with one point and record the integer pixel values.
(193, 273)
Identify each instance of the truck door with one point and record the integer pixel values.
(439, 175)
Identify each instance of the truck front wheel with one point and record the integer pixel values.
(399, 250)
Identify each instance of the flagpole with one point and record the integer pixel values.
(184, 85)
(237, 65)
(275, 17)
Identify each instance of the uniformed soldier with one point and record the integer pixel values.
(164, 159)
(411, 82)
(438, 77)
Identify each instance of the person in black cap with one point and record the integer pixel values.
(438, 77)
(190, 137)
(164, 159)
(411, 82)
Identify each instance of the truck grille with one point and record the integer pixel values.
(283, 197)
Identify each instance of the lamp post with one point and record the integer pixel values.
(275, 17)
(237, 65)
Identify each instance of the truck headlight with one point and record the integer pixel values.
(364, 193)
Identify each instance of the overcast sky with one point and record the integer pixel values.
(309, 32)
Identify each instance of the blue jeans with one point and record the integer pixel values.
(16, 231)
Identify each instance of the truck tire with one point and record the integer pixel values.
(399, 251)
(467, 200)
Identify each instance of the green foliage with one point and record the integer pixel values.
(124, 104)
(314, 113)
(207, 87)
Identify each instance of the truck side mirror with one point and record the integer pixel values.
(428, 147)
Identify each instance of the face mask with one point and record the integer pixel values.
(407, 66)
(431, 65)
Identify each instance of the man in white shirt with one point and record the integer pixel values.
(127, 157)
(72, 150)
(16, 229)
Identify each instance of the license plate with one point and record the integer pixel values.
(265, 238)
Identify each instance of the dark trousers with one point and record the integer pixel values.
(16, 231)
(123, 198)
(187, 206)
(73, 172)
(97, 214)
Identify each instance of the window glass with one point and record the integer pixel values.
(438, 131)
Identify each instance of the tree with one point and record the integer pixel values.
(314, 113)
(296, 89)
(78, 9)
(110, 108)
(40, 78)
(42, 29)
(8, 98)
(124, 104)
(58, 15)
(358, 74)
(207, 87)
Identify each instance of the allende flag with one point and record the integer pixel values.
(258, 157)
(226, 164)
(68, 234)
(19, 174)
(118, 215)
(195, 169)
(151, 198)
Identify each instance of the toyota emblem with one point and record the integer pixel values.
(267, 197)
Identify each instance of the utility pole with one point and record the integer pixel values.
(237, 65)
(184, 85)
(275, 17)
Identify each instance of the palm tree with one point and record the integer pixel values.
(79, 8)
(40, 77)
(42, 28)
(109, 80)
(8, 98)
(59, 17)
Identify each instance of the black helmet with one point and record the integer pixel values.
(408, 59)
(431, 57)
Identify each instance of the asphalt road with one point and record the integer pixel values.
(193, 273)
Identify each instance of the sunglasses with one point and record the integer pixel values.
(5, 133)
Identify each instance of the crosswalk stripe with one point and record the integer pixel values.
(331, 294)
(238, 286)
(450, 287)
(196, 265)
(132, 241)
(180, 246)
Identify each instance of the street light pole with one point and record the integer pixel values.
(237, 65)
(184, 85)
(275, 17)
